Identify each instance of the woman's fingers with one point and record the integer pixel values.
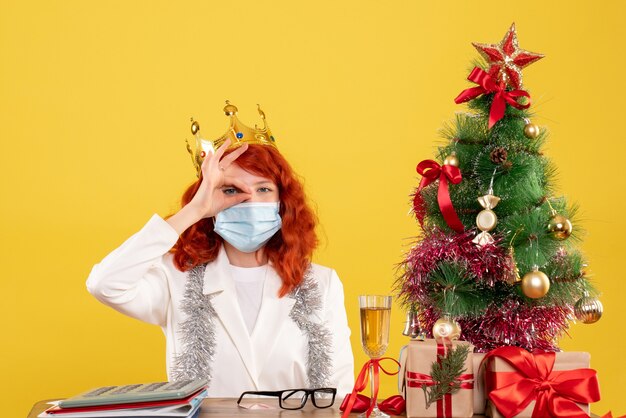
(222, 149)
(230, 158)
(213, 159)
(222, 161)
(205, 163)
(243, 193)
(235, 199)
(243, 187)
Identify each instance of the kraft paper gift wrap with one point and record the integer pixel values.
(420, 356)
(480, 392)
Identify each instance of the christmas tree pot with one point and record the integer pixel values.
(521, 384)
(425, 385)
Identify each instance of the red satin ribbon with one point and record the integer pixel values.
(487, 84)
(555, 392)
(430, 171)
(363, 379)
(394, 405)
(417, 380)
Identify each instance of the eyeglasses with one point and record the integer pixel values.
(296, 398)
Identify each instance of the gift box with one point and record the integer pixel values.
(521, 384)
(480, 392)
(420, 356)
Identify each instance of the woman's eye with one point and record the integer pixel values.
(229, 190)
(264, 189)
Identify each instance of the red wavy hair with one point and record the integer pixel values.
(289, 250)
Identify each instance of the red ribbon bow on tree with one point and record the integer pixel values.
(555, 392)
(361, 383)
(487, 84)
(431, 171)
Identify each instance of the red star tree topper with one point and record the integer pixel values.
(507, 59)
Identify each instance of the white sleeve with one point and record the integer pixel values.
(132, 279)
(337, 321)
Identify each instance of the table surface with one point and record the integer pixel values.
(227, 407)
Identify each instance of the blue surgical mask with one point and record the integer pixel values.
(248, 226)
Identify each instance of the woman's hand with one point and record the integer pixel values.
(210, 199)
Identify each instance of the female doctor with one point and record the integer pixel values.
(230, 281)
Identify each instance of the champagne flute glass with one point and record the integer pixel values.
(375, 315)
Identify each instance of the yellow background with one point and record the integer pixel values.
(95, 101)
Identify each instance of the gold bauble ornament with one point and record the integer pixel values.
(535, 284)
(451, 159)
(446, 328)
(531, 131)
(559, 226)
(588, 310)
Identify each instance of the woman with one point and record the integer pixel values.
(229, 279)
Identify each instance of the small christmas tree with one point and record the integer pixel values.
(497, 262)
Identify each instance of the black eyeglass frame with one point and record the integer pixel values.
(279, 394)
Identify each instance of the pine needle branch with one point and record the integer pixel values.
(445, 373)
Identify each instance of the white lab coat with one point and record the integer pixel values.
(139, 279)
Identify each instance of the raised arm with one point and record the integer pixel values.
(133, 279)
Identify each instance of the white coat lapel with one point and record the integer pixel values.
(219, 283)
(272, 317)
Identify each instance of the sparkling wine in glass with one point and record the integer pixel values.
(375, 315)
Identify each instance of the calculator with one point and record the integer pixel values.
(142, 392)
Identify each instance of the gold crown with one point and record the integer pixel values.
(238, 133)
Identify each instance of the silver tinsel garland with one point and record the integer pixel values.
(198, 331)
(308, 303)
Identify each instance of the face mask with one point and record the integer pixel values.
(248, 226)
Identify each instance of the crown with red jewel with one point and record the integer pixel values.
(237, 132)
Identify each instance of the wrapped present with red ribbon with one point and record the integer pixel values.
(524, 384)
(480, 393)
(420, 356)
